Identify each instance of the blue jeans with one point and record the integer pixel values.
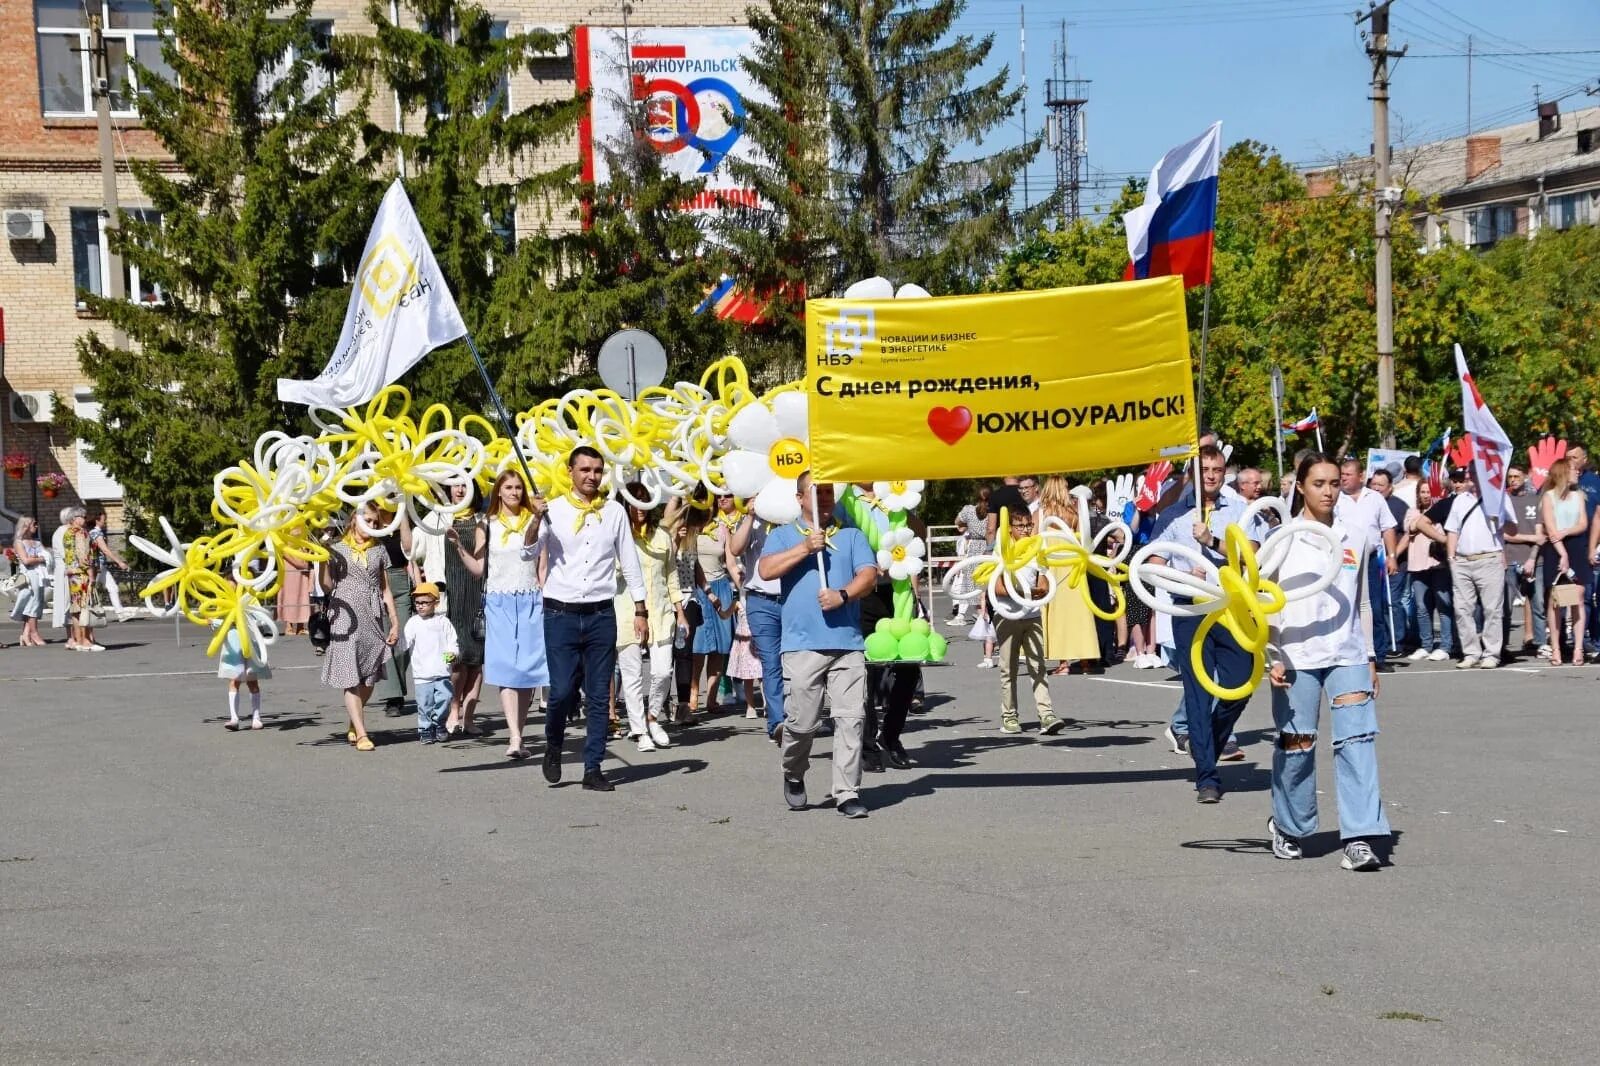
(1355, 758)
(1210, 719)
(1541, 629)
(1430, 592)
(1378, 594)
(766, 630)
(582, 651)
(433, 704)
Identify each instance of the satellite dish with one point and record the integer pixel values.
(871, 289)
(631, 361)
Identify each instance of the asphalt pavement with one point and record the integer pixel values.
(176, 893)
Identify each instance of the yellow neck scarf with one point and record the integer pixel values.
(512, 525)
(592, 507)
(358, 548)
(827, 535)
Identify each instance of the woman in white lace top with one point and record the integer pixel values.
(505, 556)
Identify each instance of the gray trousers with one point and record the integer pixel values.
(1020, 647)
(1480, 580)
(842, 676)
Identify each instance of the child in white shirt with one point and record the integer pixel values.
(431, 641)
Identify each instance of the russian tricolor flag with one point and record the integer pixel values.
(1306, 424)
(1171, 232)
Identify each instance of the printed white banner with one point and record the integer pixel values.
(400, 310)
(1491, 448)
(694, 88)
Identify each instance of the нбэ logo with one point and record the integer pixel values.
(387, 274)
(853, 328)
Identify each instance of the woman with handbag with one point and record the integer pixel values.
(358, 596)
(464, 606)
(29, 607)
(77, 556)
(1565, 554)
(505, 557)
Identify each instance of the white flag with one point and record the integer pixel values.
(400, 310)
(1491, 448)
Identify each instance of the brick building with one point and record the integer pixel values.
(1508, 182)
(51, 192)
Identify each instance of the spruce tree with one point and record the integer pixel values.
(241, 276)
(904, 107)
(468, 151)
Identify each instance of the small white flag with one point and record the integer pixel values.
(400, 310)
(1491, 448)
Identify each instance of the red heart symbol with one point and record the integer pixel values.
(950, 424)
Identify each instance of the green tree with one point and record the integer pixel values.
(237, 284)
(469, 160)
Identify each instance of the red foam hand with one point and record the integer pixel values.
(1155, 475)
(1540, 456)
(1436, 479)
(1461, 452)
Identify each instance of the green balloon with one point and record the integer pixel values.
(920, 625)
(898, 626)
(938, 647)
(914, 647)
(885, 625)
(881, 647)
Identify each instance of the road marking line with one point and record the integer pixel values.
(159, 673)
(1142, 684)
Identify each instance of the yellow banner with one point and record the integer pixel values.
(982, 386)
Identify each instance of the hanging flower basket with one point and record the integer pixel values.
(51, 484)
(16, 465)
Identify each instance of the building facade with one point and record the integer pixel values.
(51, 193)
(1509, 182)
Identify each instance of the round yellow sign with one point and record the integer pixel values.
(788, 457)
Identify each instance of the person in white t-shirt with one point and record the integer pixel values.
(1320, 645)
(1476, 548)
(431, 640)
(1365, 509)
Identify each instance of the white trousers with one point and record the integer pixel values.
(630, 660)
(112, 592)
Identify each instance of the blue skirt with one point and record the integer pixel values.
(513, 646)
(715, 633)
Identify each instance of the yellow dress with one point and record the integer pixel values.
(1069, 631)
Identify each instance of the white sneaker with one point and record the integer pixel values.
(986, 664)
(957, 621)
(1418, 655)
(1438, 655)
(659, 735)
(1489, 662)
(645, 743)
(92, 647)
(1544, 651)
(1467, 663)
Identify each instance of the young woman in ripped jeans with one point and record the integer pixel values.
(1321, 644)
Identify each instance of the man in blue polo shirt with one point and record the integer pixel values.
(823, 650)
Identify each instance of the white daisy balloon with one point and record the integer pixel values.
(900, 552)
(772, 448)
(899, 495)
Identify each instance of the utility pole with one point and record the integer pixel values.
(1022, 45)
(116, 286)
(1385, 200)
(1469, 85)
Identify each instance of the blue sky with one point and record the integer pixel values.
(1290, 73)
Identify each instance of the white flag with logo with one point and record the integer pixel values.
(1491, 448)
(400, 310)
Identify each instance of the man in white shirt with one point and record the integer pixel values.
(1028, 485)
(1406, 488)
(1475, 545)
(1365, 512)
(585, 539)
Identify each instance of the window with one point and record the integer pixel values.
(90, 253)
(318, 76)
(128, 27)
(1566, 211)
(94, 481)
(499, 96)
(1487, 225)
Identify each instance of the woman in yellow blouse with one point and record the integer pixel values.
(647, 705)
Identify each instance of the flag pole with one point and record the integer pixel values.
(505, 419)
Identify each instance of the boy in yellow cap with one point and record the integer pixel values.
(431, 641)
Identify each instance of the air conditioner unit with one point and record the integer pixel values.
(562, 48)
(31, 407)
(24, 224)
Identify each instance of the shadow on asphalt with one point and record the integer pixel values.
(1315, 846)
(895, 790)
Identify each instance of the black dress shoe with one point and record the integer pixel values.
(794, 793)
(896, 757)
(872, 761)
(552, 765)
(853, 808)
(595, 781)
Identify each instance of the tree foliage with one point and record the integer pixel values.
(239, 284)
